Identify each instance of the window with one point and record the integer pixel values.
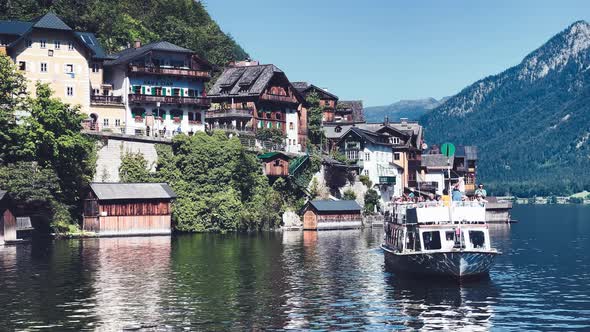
(70, 91)
(367, 156)
(95, 68)
(70, 46)
(43, 43)
(105, 122)
(477, 239)
(176, 92)
(412, 176)
(22, 65)
(260, 124)
(278, 116)
(278, 125)
(57, 44)
(95, 92)
(277, 162)
(43, 67)
(269, 124)
(117, 122)
(29, 43)
(396, 156)
(50, 52)
(431, 240)
(245, 106)
(366, 172)
(69, 68)
(352, 154)
(394, 140)
(291, 125)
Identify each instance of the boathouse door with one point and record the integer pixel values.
(310, 221)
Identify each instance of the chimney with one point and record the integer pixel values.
(137, 43)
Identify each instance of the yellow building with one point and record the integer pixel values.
(47, 50)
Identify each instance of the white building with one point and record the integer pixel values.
(373, 154)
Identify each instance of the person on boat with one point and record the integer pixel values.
(457, 195)
(481, 191)
(411, 195)
(446, 198)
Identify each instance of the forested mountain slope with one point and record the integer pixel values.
(531, 122)
(118, 23)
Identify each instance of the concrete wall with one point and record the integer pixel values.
(109, 157)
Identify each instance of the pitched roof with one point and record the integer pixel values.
(91, 42)
(244, 81)
(367, 135)
(270, 155)
(335, 206)
(437, 161)
(303, 87)
(50, 21)
(124, 191)
(16, 28)
(131, 53)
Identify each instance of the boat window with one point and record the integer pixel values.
(450, 235)
(413, 242)
(477, 239)
(431, 240)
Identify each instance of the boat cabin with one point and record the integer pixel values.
(328, 214)
(118, 209)
(428, 227)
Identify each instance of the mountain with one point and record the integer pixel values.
(117, 24)
(411, 109)
(530, 122)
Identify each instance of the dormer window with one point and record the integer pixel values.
(394, 140)
(338, 129)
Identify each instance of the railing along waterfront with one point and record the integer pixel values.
(196, 101)
(173, 71)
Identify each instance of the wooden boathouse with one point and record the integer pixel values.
(328, 214)
(119, 209)
(7, 220)
(276, 164)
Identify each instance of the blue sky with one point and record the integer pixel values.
(382, 51)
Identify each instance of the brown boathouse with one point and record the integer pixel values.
(113, 209)
(327, 214)
(7, 220)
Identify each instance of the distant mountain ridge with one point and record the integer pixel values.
(530, 122)
(411, 109)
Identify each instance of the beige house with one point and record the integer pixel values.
(47, 50)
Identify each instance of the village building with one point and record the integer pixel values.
(349, 112)
(276, 164)
(47, 50)
(328, 101)
(372, 153)
(7, 220)
(249, 97)
(463, 165)
(434, 173)
(327, 214)
(162, 86)
(117, 209)
(407, 142)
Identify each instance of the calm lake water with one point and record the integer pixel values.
(327, 280)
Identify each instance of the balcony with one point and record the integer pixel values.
(106, 100)
(240, 129)
(230, 114)
(172, 71)
(192, 101)
(279, 99)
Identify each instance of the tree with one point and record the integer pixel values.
(12, 99)
(371, 201)
(134, 168)
(315, 115)
(349, 195)
(273, 135)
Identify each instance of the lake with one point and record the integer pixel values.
(295, 280)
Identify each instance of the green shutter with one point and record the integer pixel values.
(182, 92)
(153, 91)
(143, 90)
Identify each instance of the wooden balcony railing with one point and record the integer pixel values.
(225, 114)
(280, 99)
(170, 71)
(194, 101)
(106, 100)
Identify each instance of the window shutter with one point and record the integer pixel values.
(143, 90)
(182, 92)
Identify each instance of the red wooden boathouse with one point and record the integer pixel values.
(113, 209)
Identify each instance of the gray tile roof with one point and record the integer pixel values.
(90, 40)
(125, 191)
(336, 206)
(437, 161)
(16, 28)
(300, 86)
(130, 54)
(50, 21)
(244, 81)
(304, 88)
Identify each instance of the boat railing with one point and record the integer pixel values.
(437, 212)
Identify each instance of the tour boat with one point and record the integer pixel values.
(432, 239)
